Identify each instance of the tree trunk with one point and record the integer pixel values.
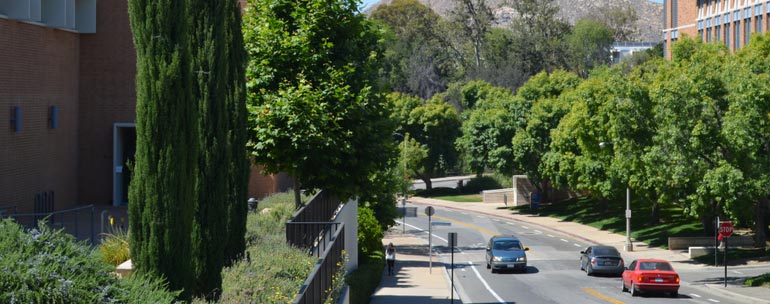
(655, 216)
(297, 194)
(759, 227)
(428, 182)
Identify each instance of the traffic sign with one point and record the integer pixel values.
(429, 211)
(725, 228)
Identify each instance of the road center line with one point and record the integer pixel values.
(601, 296)
(474, 227)
(500, 300)
(418, 228)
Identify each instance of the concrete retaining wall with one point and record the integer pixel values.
(684, 243)
(499, 196)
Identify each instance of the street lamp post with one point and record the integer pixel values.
(403, 189)
(629, 246)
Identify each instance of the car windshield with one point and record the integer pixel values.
(654, 266)
(605, 251)
(507, 245)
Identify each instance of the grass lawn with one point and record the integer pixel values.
(737, 256)
(611, 217)
(468, 198)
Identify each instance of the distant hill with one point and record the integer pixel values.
(649, 24)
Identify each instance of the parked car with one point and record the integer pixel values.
(601, 259)
(649, 275)
(506, 252)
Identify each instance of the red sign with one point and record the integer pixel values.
(725, 229)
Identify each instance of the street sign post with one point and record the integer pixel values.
(452, 238)
(725, 231)
(429, 211)
(726, 228)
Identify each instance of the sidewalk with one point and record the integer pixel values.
(413, 283)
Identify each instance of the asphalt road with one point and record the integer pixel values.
(553, 274)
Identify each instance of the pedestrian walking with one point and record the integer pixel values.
(390, 257)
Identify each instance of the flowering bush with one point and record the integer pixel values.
(43, 265)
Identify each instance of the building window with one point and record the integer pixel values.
(736, 35)
(717, 33)
(747, 30)
(674, 13)
(708, 35)
(759, 24)
(727, 35)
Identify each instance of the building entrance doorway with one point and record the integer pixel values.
(124, 147)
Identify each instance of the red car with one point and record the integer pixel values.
(649, 275)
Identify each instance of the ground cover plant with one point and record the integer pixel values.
(43, 265)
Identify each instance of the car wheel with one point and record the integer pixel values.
(634, 292)
(488, 266)
(674, 294)
(581, 264)
(589, 270)
(493, 270)
(623, 285)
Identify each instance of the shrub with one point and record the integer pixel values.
(369, 233)
(114, 247)
(478, 184)
(364, 280)
(50, 266)
(273, 271)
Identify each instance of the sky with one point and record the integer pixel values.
(366, 3)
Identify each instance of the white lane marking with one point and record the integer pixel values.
(715, 301)
(479, 216)
(464, 212)
(551, 235)
(418, 228)
(525, 227)
(695, 295)
(738, 272)
(577, 245)
(538, 232)
(509, 223)
(563, 240)
(500, 300)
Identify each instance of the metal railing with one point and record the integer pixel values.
(76, 221)
(320, 208)
(319, 283)
(312, 236)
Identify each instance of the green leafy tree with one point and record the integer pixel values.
(473, 18)
(162, 192)
(434, 125)
(533, 138)
(747, 131)
(488, 128)
(539, 35)
(416, 60)
(575, 156)
(590, 45)
(314, 111)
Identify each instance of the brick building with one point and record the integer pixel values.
(67, 101)
(730, 22)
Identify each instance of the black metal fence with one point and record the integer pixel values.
(320, 208)
(312, 236)
(76, 221)
(319, 283)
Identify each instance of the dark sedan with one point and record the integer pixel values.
(601, 259)
(506, 252)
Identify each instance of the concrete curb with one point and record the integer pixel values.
(727, 290)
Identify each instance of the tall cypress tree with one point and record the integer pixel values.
(237, 137)
(162, 193)
(217, 68)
